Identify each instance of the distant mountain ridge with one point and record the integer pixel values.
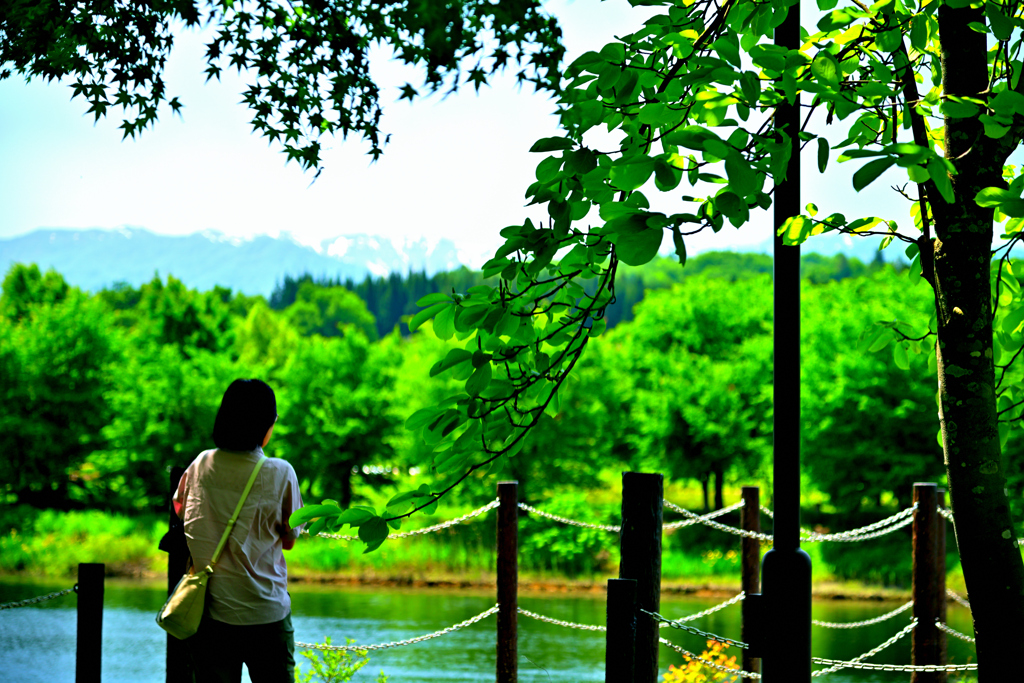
(93, 259)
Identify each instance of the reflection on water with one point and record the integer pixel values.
(38, 643)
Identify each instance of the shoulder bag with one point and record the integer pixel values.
(181, 614)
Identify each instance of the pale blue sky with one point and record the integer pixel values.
(455, 167)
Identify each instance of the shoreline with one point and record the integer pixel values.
(533, 585)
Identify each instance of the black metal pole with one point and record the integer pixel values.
(89, 650)
(508, 581)
(640, 545)
(786, 571)
(621, 635)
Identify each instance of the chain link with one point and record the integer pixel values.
(709, 610)
(961, 601)
(398, 643)
(698, 519)
(41, 598)
(866, 622)
(857, 662)
(558, 622)
(952, 631)
(696, 631)
(946, 512)
(710, 515)
(566, 520)
(689, 655)
(898, 521)
(425, 530)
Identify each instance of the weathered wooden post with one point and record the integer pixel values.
(178, 661)
(88, 656)
(750, 567)
(640, 546)
(940, 588)
(508, 581)
(924, 646)
(620, 638)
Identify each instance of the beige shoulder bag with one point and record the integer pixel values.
(181, 614)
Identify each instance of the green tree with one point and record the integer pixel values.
(690, 97)
(25, 287)
(335, 412)
(327, 311)
(56, 373)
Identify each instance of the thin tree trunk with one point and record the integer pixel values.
(984, 529)
(704, 487)
(719, 485)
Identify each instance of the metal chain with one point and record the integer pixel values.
(963, 603)
(696, 631)
(860, 534)
(884, 526)
(715, 525)
(558, 622)
(709, 610)
(946, 512)
(41, 598)
(857, 662)
(689, 655)
(398, 643)
(425, 530)
(952, 631)
(710, 515)
(566, 520)
(866, 622)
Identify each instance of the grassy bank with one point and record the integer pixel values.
(51, 544)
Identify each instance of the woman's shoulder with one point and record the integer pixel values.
(279, 466)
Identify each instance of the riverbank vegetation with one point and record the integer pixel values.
(105, 391)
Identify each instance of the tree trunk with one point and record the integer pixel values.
(984, 529)
(704, 487)
(719, 485)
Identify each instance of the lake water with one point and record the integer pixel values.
(37, 644)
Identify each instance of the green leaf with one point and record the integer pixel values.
(355, 516)
(373, 533)
(825, 68)
(436, 298)
(453, 358)
(870, 171)
(640, 247)
(939, 174)
(899, 356)
(742, 178)
(1001, 25)
(422, 417)
(993, 196)
(631, 174)
(959, 110)
(479, 380)
(889, 41)
(677, 240)
(308, 512)
(444, 322)
(1013, 320)
(822, 154)
(425, 315)
(552, 145)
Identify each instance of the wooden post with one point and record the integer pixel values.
(508, 581)
(640, 545)
(88, 656)
(940, 589)
(750, 556)
(179, 662)
(621, 635)
(924, 647)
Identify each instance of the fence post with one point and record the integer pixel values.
(179, 663)
(508, 581)
(621, 635)
(940, 589)
(88, 655)
(924, 648)
(640, 546)
(750, 555)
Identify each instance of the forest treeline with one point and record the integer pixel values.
(103, 392)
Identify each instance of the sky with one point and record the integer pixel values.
(456, 167)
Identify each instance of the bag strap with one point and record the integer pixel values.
(238, 510)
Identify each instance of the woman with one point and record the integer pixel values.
(248, 609)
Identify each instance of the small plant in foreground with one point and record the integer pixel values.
(335, 666)
(695, 670)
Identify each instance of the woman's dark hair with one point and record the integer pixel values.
(245, 414)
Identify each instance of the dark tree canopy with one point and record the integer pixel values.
(307, 62)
